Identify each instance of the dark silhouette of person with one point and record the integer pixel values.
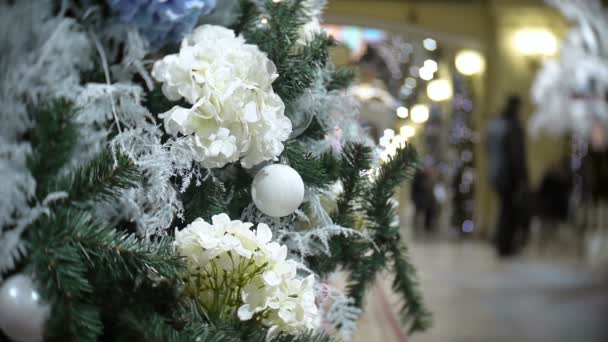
(553, 194)
(509, 176)
(424, 198)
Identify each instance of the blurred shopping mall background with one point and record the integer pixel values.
(437, 74)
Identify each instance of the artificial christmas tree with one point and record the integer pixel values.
(127, 226)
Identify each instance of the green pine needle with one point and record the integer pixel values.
(70, 250)
(356, 160)
(341, 78)
(53, 139)
(311, 169)
(204, 200)
(297, 66)
(102, 179)
(413, 312)
(380, 213)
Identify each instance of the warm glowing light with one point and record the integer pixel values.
(431, 65)
(407, 131)
(420, 113)
(389, 133)
(426, 73)
(430, 44)
(399, 141)
(470, 62)
(439, 90)
(535, 42)
(384, 141)
(402, 112)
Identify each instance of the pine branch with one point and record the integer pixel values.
(347, 250)
(204, 200)
(341, 78)
(314, 131)
(61, 274)
(102, 179)
(380, 213)
(311, 169)
(297, 66)
(362, 274)
(156, 328)
(413, 312)
(305, 337)
(53, 139)
(356, 159)
(69, 248)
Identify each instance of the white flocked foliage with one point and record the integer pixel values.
(569, 91)
(305, 234)
(41, 58)
(338, 310)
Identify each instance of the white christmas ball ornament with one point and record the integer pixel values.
(22, 313)
(277, 190)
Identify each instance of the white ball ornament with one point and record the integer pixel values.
(277, 190)
(22, 312)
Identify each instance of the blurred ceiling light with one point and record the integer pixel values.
(402, 112)
(439, 90)
(535, 42)
(426, 74)
(470, 62)
(420, 113)
(431, 65)
(430, 44)
(407, 131)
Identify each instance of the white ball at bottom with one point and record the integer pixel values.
(22, 313)
(277, 190)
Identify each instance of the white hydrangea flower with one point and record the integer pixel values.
(237, 269)
(235, 113)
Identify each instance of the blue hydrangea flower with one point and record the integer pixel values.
(162, 21)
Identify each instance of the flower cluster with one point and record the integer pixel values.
(162, 21)
(234, 269)
(235, 112)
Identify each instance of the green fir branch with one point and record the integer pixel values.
(314, 131)
(204, 200)
(70, 253)
(102, 179)
(311, 169)
(356, 160)
(309, 336)
(60, 271)
(341, 78)
(362, 275)
(154, 327)
(380, 213)
(273, 27)
(413, 312)
(346, 250)
(53, 139)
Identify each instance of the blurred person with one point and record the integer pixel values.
(508, 176)
(423, 196)
(553, 194)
